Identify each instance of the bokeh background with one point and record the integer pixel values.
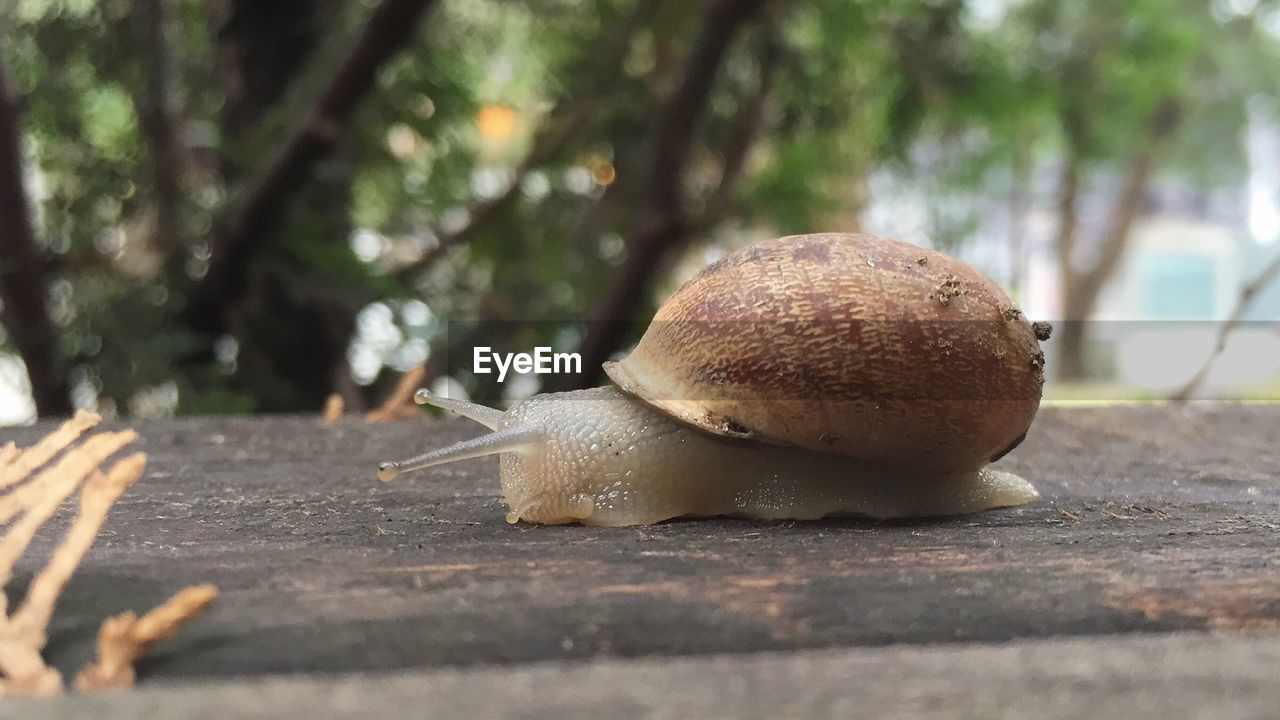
(213, 206)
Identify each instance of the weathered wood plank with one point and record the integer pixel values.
(1153, 519)
(1164, 677)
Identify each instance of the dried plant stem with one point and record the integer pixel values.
(22, 635)
(25, 672)
(34, 484)
(15, 541)
(334, 406)
(19, 464)
(96, 499)
(399, 405)
(125, 638)
(71, 468)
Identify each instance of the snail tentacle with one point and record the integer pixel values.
(505, 440)
(486, 416)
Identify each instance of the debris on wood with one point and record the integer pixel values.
(334, 406)
(37, 486)
(125, 638)
(400, 405)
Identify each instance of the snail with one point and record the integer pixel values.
(802, 377)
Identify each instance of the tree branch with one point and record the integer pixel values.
(1068, 215)
(1247, 295)
(22, 273)
(721, 23)
(563, 122)
(1019, 206)
(668, 222)
(256, 213)
(742, 135)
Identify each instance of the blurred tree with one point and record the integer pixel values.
(1121, 80)
(160, 122)
(223, 195)
(22, 274)
(299, 278)
(1096, 64)
(292, 315)
(667, 221)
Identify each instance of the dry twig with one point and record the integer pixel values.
(399, 405)
(19, 463)
(334, 406)
(1248, 293)
(125, 638)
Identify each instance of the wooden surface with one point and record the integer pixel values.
(1153, 519)
(1118, 677)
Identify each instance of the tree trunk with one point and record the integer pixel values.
(293, 325)
(293, 339)
(1069, 341)
(250, 225)
(22, 273)
(262, 49)
(1082, 289)
(160, 122)
(1019, 192)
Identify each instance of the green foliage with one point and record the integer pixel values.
(939, 96)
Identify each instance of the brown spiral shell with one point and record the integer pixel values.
(851, 344)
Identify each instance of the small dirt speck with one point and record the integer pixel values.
(1037, 364)
(1042, 329)
(949, 288)
(922, 260)
(1010, 313)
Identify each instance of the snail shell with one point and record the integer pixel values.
(851, 344)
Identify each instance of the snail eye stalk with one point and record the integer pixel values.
(506, 440)
(486, 416)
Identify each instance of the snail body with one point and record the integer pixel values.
(801, 377)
